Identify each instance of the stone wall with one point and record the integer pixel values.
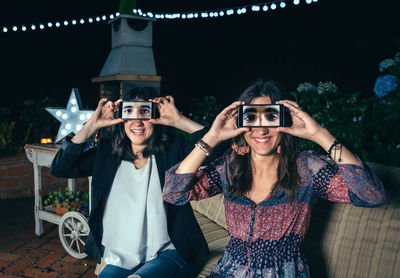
(16, 178)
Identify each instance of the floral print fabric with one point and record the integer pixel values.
(265, 239)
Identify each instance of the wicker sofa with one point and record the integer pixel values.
(342, 240)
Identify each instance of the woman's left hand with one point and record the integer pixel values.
(169, 114)
(304, 126)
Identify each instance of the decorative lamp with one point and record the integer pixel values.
(72, 118)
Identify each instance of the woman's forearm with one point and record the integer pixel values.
(187, 125)
(325, 139)
(194, 160)
(85, 133)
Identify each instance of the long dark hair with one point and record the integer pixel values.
(240, 166)
(157, 142)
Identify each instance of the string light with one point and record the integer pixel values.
(240, 10)
(273, 5)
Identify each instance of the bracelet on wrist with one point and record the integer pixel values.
(334, 147)
(207, 149)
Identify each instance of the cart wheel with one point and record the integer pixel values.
(73, 231)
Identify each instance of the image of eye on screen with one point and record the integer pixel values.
(263, 115)
(137, 110)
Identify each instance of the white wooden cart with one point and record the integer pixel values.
(73, 228)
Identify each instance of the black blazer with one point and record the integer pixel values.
(72, 161)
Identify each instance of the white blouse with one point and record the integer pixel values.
(135, 221)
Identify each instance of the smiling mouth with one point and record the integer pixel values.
(262, 140)
(137, 131)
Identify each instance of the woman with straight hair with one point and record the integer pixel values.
(131, 228)
(268, 185)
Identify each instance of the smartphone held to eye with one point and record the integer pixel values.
(263, 115)
(137, 110)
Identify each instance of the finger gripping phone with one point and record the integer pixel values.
(137, 110)
(263, 115)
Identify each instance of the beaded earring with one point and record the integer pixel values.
(242, 150)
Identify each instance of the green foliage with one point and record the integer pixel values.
(204, 111)
(7, 130)
(126, 6)
(6, 138)
(31, 123)
(368, 126)
(35, 122)
(71, 201)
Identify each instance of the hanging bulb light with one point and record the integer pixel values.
(203, 14)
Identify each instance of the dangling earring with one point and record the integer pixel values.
(240, 150)
(278, 149)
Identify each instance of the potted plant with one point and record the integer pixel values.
(63, 200)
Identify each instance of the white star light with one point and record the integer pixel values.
(72, 118)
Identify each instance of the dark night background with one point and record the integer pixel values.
(341, 41)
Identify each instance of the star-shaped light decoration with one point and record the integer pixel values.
(72, 118)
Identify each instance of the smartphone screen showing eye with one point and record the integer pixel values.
(263, 115)
(137, 110)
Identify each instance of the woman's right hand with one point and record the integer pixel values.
(104, 114)
(224, 126)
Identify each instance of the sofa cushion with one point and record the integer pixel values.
(213, 208)
(217, 238)
(348, 241)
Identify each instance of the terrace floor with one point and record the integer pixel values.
(23, 254)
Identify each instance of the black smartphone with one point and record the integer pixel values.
(263, 115)
(137, 110)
